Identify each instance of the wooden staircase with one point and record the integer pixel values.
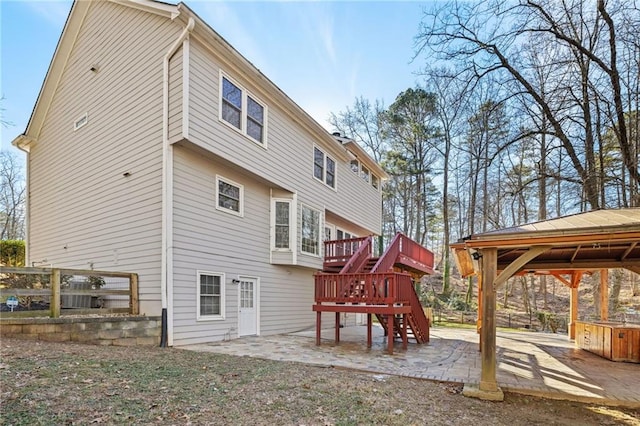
(354, 280)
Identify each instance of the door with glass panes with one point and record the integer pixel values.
(248, 313)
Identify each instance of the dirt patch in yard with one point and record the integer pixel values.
(65, 383)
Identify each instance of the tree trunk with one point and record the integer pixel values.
(617, 275)
(505, 302)
(525, 295)
(543, 290)
(469, 295)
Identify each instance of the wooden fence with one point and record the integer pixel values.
(63, 285)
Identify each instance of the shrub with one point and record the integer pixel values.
(12, 253)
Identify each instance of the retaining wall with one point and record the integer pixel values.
(118, 331)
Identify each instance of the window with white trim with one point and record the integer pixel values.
(210, 294)
(229, 196)
(324, 167)
(281, 222)
(375, 182)
(364, 173)
(328, 232)
(355, 166)
(242, 110)
(310, 231)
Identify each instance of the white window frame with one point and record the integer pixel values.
(215, 317)
(273, 223)
(243, 110)
(318, 231)
(332, 232)
(325, 156)
(345, 235)
(365, 173)
(239, 213)
(375, 178)
(355, 163)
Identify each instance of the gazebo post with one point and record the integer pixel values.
(604, 295)
(488, 332)
(488, 388)
(576, 276)
(479, 322)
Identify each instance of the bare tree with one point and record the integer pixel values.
(12, 197)
(364, 123)
(451, 90)
(491, 37)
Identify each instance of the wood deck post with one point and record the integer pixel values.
(337, 327)
(604, 295)
(369, 324)
(489, 261)
(390, 327)
(318, 327)
(405, 340)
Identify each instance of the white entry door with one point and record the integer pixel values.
(248, 315)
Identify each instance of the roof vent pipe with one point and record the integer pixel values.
(336, 134)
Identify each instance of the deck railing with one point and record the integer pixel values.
(376, 289)
(70, 291)
(342, 250)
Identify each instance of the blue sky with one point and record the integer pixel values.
(322, 54)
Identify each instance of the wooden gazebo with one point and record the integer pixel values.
(564, 248)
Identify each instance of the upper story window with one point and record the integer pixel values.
(210, 294)
(364, 173)
(375, 182)
(229, 196)
(324, 167)
(241, 110)
(310, 231)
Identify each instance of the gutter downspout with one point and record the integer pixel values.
(166, 279)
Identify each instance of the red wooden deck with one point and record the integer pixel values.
(354, 280)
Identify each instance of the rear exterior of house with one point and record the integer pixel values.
(156, 148)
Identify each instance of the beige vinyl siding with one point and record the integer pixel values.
(288, 144)
(83, 211)
(212, 240)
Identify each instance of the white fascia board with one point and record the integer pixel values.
(155, 7)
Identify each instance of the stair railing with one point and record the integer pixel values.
(403, 245)
(419, 318)
(388, 258)
(359, 258)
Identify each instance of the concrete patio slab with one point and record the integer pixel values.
(531, 363)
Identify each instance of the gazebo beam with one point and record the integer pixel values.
(585, 265)
(517, 264)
